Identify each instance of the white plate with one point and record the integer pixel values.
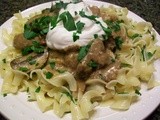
(16, 107)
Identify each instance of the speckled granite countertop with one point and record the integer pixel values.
(147, 9)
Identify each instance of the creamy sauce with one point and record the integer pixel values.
(60, 38)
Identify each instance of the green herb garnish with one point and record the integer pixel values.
(38, 89)
(4, 95)
(49, 75)
(32, 62)
(83, 52)
(4, 60)
(126, 65)
(27, 89)
(35, 47)
(52, 64)
(137, 92)
(123, 93)
(93, 64)
(75, 36)
(146, 55)
(60, 71)
(61, 5)
(135, 35)
(70, 96)
(95, 36)
(39, 26)
(118, 42)
(23, 69)
(114, 25)
(80, 26)
(91, 17)
(68, 21)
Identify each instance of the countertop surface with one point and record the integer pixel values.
(147, 9)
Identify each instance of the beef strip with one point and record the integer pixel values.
(71, 60)
(107, 73)
(97, 53)
(20, 42)
(95, 10)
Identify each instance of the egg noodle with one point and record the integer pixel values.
(137, 55)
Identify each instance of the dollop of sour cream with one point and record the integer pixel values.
(60, 38)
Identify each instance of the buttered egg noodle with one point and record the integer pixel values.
(73, 56)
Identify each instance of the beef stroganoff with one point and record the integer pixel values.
(74, 56)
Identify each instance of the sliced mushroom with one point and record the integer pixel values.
(30, 62)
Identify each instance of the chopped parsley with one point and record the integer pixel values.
(70, 96)
(27, 89)
(23, 69)
(68, 21)
(123, 93)
(95, 36)
(91, 17)
(4, 60)
(114, 25)
(52, 64)
(126, 65)
(83, 52)
(118, 42)
(32, 62)
(60, 71)
(137, 92)
(38, 89)
(39, 26)
(135, 36)
(75, 36)
(4, 95)
(80, 26)
(35, 47)
(93, 64)
(49, 75)
(61, 4)
(146, 55)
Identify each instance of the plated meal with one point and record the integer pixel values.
(74, 56)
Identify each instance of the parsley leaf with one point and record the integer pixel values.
(125, 65)
(27, 89)
(28, 33)
(4, 95)
(91, 17)
(75, 36)
(35, 47)
(38, 89)
(95, 36)
(80, 26)
(135, 35)
(61, 5)
(4, 60)
(49, 75)
(146, 55)
(93, 64)
(137, 92)
(60, 71)
(52, 64)
(32, 62)
(39, 26)
(68, 21)
(83, 52)
(23, 69)
(118, 42)
(70, 96)
(114, 25)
